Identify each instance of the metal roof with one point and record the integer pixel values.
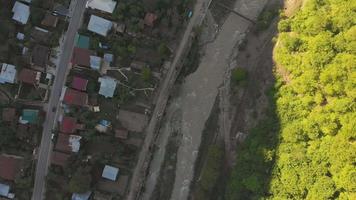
(110, 172)
(8, 73)
(99, 25)
(95, 62)
(107, 86)
(4, 190)
(81, 196)
(103, 5)
(21, 12)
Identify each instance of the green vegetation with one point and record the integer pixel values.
(80, 181)
(314, 128)
(238, 75)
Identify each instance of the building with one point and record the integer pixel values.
(8, 73)
(81, 57)
(40, 35)
(21, 12)
(20, 36)
(40, 55)
(110, 172)
(107, 86)
(79, 83)
(68, 125)
(150, 19)
(81, 196)
(82, 41)
(103, 126)
(109, 58)
(60, 9)
(29, 116)
(29, 76)
(10, 166)
(95, 62)
(99, 25)
(121, 133)
(102, 5)
(74, 97)
(4, 190)
(133, 121)
(68, 143)
(8, 114)
(59, 158)
(50, 20)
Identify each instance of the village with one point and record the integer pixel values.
(121, 52)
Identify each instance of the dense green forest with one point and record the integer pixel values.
(306, 149)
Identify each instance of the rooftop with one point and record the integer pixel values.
(107, 86)
(59, 158)
(74, 97)
(103, 5)
(99, 25)
(21, 12)
(4, 190)
(68, 125)
(81, 57)
(9, 166)
(81, 196)
(68, 143)
(29, 116)
(82, 41)
(110, 172)
(50, 20)
(95, 62)
(8, 73)
(79, 83)
(28, 76)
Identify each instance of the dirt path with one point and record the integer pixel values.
(200, 89)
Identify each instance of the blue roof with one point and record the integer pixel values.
(108, 57)
(82, 196)
(105, 123)
(4, 190)
(107, 86)
(95, 62)
(110, 172)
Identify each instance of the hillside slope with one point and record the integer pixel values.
(313, 152)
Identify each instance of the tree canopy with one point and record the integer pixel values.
(315, 152)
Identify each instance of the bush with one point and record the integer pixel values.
(238, 75)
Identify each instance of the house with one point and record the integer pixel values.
(29, 116)
(29, 76)
(82, 41)
(107, 86)
(40, 55)
(21, 12)
(20, 36)
(121, 133)
(8, 114)
(138, 65)
(81, 57)
(103, 126)
(5, 190)
(95, 62)
(109, 58)
(74, 97)
(40, 35)
(60, 9)
(150, 19)
(102, 5)
(99, 25)
(8, 73)
(81, 196)
(133, 121)
(79, 83)
(59, 158)
(50, 20)
(68, 125)
(110, 172)
(10, 166)
(68, 143)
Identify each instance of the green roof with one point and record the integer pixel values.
(82, 41)
(30, 115)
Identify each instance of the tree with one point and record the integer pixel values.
(81, 180)
(238, 75)
(146, 74)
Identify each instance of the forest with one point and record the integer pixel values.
(306, 148)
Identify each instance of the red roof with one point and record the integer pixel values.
(74, 97)
(9, 167)
(63, 143)
(28, 76)
(68, 125)
(59, 158)
(8, 114)
(81, 57)
(79, 83)
(150, 19)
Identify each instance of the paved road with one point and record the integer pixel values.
(164, 91)
(46, 143)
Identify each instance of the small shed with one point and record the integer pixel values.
(110, 172)
(95, 62)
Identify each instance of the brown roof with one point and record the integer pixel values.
(121, 133)
(81, 57)
(40, 55)
(8, 114)
(50, 20)
(28, 76)
(63, 143)
(9, 167)
(59, 158)
(74, 97)
(150, 19)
